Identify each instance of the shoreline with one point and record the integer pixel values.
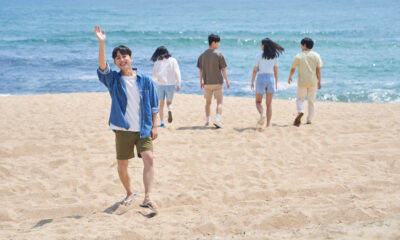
(245, 97)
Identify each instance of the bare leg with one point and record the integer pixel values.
(269, 108)
(219, 107)
(148, 174)
(259, 105)
(124, 177)
(208, 104)
(161, 112)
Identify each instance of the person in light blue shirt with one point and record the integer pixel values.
(133, 117)
(266, 69)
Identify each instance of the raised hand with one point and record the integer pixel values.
(101, 36)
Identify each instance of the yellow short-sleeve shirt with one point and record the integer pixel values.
(307, 62)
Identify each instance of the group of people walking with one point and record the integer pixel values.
(137, 98)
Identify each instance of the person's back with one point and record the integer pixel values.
(307, 61)
(211, 62)
(166, 72)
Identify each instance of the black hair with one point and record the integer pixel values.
(213, 38)
(308, 42)
(160, 53)
(271, 49)
(123, 50)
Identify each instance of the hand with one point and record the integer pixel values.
(178, 88)
(202, 85)
(154, 133)
(228, 85)
(289, 80)
(319, 85)
(99, 35)
(252, 86)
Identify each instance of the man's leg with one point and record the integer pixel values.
(311, 92)
(124, 177)
(268, 102)
(208, 98)
(219, 96)
(301, 95)
(148, 175)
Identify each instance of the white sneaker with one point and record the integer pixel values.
(218, 124)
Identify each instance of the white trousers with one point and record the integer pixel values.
(302, 93)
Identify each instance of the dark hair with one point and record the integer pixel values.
(123, 50)
(271, 49)
(160, 54)
(213, 38)
(308, 42)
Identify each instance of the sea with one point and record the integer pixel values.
(49, 46)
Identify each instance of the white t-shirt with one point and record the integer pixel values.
(132, 113)
(265, 65)
(166, 72)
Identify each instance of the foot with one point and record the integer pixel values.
(297, 121)
(218, 124)
(169, 116)
(207, 123)
(128, 199)
(309, 122)
(162, 125)
(261, 121)
(149, 204)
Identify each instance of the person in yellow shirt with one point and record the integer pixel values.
(309, 78)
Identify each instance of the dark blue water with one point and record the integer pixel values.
(49, 46)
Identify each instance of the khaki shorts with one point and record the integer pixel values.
(217, 89)
(125, 142)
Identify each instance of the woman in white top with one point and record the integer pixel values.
(266, 66)
(168, 77)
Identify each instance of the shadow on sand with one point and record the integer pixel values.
(197, 128)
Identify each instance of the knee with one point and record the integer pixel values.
(258, 101)
(122, 166)
(148, 163)
(147, 159)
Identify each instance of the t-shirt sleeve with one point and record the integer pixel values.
(296, 62)
(222, 63)
(320, 63)
(199, 62)
(276, 62)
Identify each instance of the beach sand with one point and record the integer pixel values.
(338, 178)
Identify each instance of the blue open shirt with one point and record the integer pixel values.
(148, 99)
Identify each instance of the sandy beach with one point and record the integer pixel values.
(338, 178)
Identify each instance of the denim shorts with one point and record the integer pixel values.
(165, 91)
(265, 82)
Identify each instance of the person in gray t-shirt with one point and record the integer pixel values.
(212, 66)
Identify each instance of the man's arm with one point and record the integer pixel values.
(226, 77)
(102, 53)
(201, 79)
(318, 71)
(291, 75)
